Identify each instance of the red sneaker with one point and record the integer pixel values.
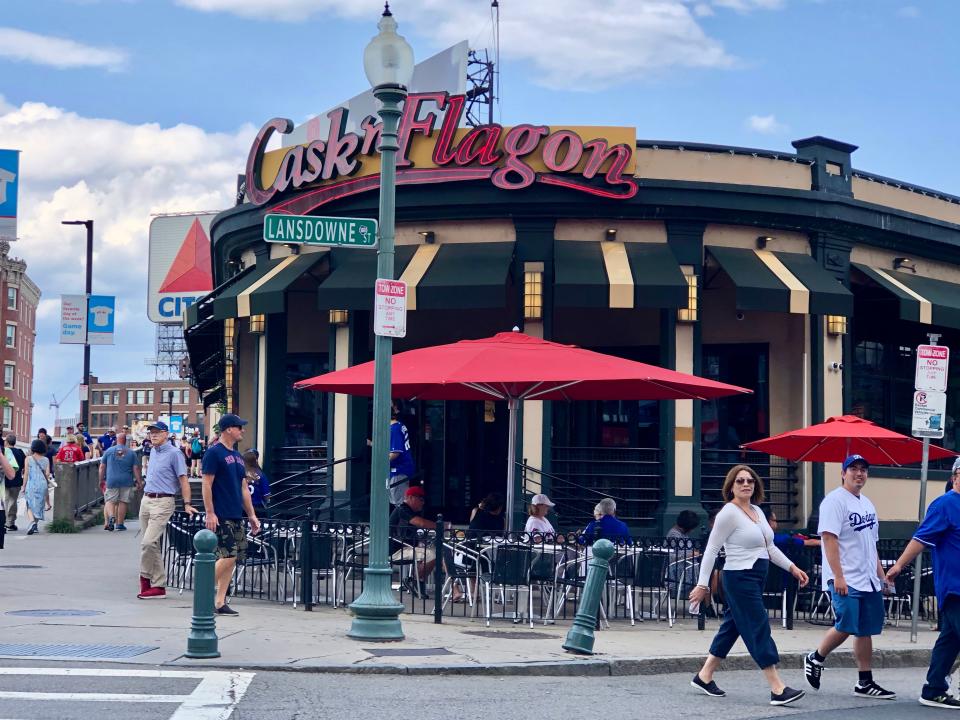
(144, 584)
(154, 593)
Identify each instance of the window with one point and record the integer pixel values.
(8, 371)
(12, 298)
(149, 397)
(172, 396)
(7, 416)
(116, 397)
(130, 397)
(11, 335)
(141, 397)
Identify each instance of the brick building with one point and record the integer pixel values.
(126, 403)
(18, 316)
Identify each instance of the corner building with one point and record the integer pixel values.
(792, 274)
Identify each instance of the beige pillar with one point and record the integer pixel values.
(532, 435)
(340, 425)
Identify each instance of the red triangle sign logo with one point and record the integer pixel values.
(190, 271)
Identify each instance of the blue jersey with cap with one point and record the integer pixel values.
(229, 475)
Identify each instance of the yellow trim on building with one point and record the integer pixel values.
(619, 276)
(416, 269)
(243, 299)
(926, 307)
(799, 295)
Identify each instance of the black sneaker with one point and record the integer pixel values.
(788, 696)
(11, 528)
(121, 526)
(225, 610)
(871, 690)
(709, 688)
(111, 523)
(412, 586)
(946, 701)
(812, 670)
(33, 529)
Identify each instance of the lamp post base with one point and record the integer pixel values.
(376, 613)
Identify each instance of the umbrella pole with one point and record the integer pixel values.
(512, 405)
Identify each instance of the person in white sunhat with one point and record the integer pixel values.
(537, 521)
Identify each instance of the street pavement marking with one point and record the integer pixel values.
(214, 698)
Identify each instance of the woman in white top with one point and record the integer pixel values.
(743, 532)
(540, 505)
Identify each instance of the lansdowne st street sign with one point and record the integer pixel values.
(598, 161)
(316, 230)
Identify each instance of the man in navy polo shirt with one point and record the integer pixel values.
(940, 530)
(226, 498)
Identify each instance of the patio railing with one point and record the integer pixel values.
(519, 577)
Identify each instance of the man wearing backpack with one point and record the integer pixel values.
(12, 487)
(196, 454)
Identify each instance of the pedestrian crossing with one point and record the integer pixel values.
(214, 696)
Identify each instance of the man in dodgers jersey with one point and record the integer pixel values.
(853, 576)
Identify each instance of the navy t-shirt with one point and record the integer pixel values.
(229, 474)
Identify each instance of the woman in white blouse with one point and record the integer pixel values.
(540, 505)
(743, 532)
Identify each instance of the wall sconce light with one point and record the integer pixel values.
(294, 248)
(533, 295)
(229, 326)
(762, 241)
(429, 236)
(258, 324)
(689, 313)
(339, 318)
(837, 324)
(610, 234)
(228, 384)
(902, 263)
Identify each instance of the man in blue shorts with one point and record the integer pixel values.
(853, 576)
(940, 531)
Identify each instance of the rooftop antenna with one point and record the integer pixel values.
(483, 78)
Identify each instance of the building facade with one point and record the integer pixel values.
(792, 274)
(114, 404)
(18, 316)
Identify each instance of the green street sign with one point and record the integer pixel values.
(314, 230)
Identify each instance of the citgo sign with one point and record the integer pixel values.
(179, 271)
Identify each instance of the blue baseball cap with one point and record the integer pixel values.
(230, 420)
(158, 425)
(851, 459)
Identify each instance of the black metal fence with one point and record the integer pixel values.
(517, 577)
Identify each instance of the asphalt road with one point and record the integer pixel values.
(145, 693)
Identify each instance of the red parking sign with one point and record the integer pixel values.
(390, 308)
(932, 364)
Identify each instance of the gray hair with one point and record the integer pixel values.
(607, 506)
(956, 464)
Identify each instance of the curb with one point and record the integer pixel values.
(592, 667)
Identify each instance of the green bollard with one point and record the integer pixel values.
(580, 637)
(202, 640)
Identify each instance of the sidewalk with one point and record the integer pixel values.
(97, 571)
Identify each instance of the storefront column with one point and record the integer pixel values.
(273, 377)
(260, 391)
(338, 435)
(355, 420)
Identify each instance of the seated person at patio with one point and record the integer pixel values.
(684, 564)
(487, 517)
(687, 522)
(540, 505)
(608, 526)
(405, 520)
(787, 540)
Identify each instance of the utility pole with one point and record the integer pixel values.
(85, 403)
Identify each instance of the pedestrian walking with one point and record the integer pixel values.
(71, 452)
(51, 453)
(742, 531)
(940, 531)
(166, 474)
(226, 498)
(401, 459)
(13, 486)
(39, 482)
(196, 454)
(120, 474)
(853, 576)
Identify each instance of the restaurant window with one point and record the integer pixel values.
(11, 298)
(11, 335)
(728, 422)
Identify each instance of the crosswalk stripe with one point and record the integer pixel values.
(92, 697)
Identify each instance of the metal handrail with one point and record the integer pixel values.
(309, 470)
(570, 483)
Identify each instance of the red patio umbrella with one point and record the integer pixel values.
(513, 366)
(842, 435)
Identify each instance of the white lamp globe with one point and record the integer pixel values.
(388, 59)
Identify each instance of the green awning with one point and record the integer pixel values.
(204, 343)
(270, 295)
(921, 299)
(225, 303)
(782, 282)
(582, 275)
(445, 276)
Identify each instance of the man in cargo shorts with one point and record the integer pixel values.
(119, 473)
(226, 497)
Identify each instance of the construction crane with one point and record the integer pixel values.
(54, 403)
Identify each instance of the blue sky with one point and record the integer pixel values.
(125, 108)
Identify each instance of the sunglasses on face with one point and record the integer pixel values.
(744, 481)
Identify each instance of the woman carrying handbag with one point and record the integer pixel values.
(743, 532)
(38, 484)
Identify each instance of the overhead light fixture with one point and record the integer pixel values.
(533, 295)
(339, 318)
(293, 247)
(762, 241)
(610, 234)
(902, 263)
(689, 313)
(836, 324)
(258, 324)
(429, 236)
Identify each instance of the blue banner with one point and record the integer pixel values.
(9, 187)
(101, 311)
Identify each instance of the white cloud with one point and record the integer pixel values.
(57, 52)
(909, 11)
(766, 124)
(571, 44)
(75, 167)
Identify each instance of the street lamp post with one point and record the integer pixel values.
(85, 404)
(388, 63)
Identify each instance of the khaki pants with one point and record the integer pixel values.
(154, 514)
(10, 503)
